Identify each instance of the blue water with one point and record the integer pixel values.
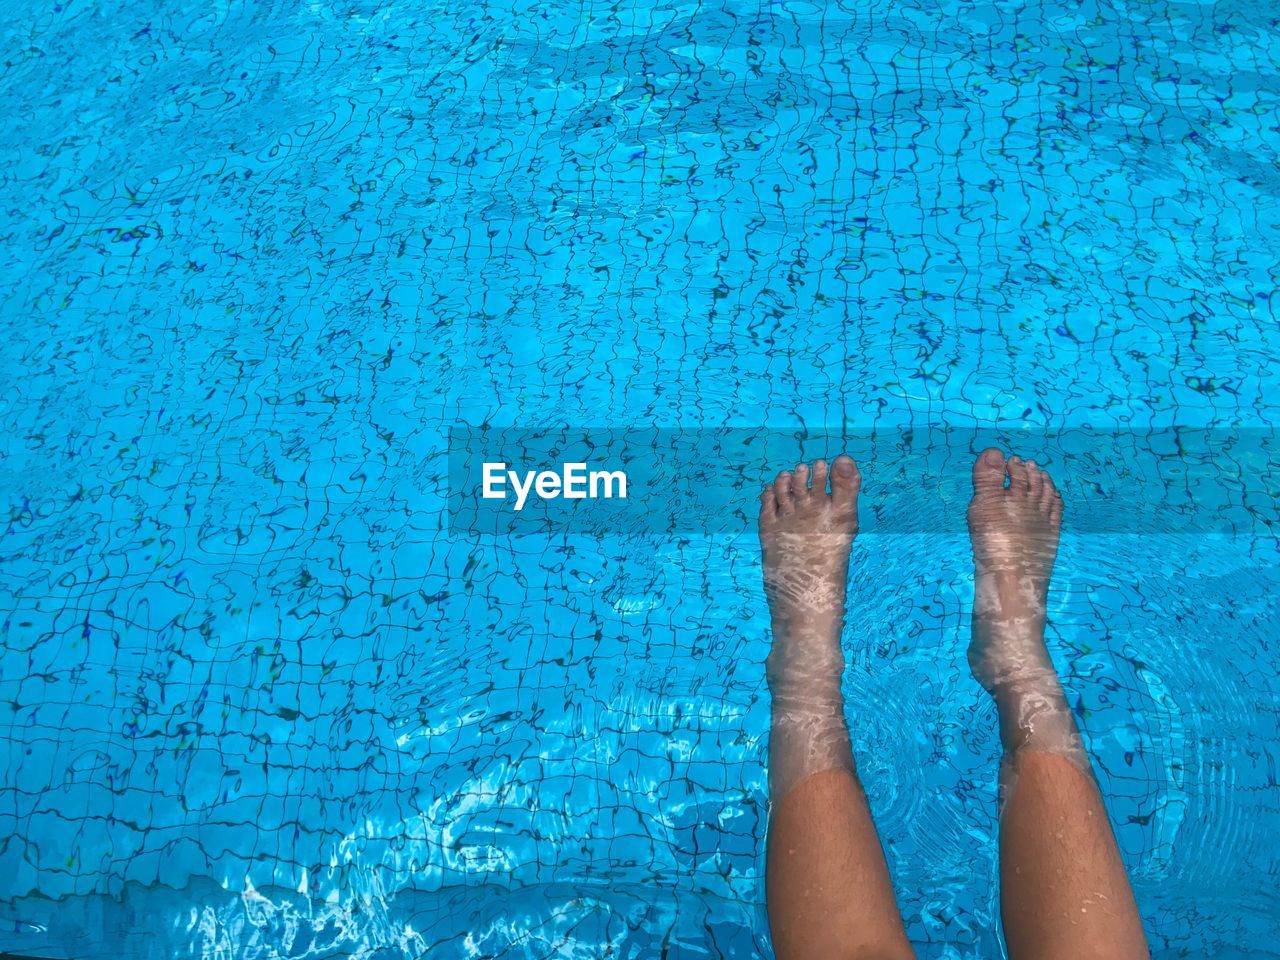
(259, 697)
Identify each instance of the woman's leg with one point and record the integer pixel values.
(1064, 894)
(828, 889)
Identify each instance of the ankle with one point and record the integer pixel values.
(1035, 715)
(816, 676)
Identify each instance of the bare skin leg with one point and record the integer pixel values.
(1064, 892)
(829, 894)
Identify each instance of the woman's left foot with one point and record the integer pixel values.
(805, 533)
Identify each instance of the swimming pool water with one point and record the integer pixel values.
(261, 699)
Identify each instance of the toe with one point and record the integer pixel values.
(1050, 494)
(818, 486)
(1016, 467)
(845, 479)
(988, 472)
(782, 491)
(800, 482)
(1035, 480)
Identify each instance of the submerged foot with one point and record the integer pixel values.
(1015, 531)
(805, 535)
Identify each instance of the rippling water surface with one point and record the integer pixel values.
(260, 700)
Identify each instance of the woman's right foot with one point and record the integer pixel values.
(1015, 540)
(1015, 531)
